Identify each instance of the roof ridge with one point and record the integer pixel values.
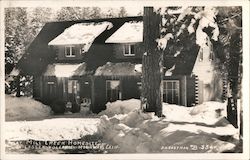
(94, 19)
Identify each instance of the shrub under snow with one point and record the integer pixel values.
(24, 108)
(135, 131)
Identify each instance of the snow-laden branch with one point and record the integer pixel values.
(162, 42)
(207, 19)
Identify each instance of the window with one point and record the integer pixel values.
(201, 55)
(128, 50)
(73, 91)
(171, 91)
(73, 86)
(70, 51)
(113, 92)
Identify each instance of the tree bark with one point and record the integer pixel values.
(151, 63)
(234, 82)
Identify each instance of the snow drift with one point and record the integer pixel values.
(121, 107)
(196, 129)
(24, 108)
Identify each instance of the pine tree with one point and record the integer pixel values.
(123, 12)
(181, 31)
(15, 36)
(95, 12)
(230, 50)
(37, 19)
(69, 14)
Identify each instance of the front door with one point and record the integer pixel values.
(113, 91)
(74, 91)
(171, 91)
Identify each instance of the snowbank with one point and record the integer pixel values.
(24, 108)
(207, 113)
(195, 129)
(121, 107)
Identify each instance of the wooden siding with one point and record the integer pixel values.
(128, 87)
(52, 88)
(94, 88)
(49, 93)
(36, 88)
(98, 94)
(190, 91)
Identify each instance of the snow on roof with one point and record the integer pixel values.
(129, 32)
(118, 69)
(65, 70)
(81, 33)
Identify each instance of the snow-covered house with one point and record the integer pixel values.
(100, 61)
(64, 56)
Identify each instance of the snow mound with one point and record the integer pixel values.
(182, 130)
(121, 107)
(24, 108)
(208, 112)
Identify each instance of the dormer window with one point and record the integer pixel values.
(128, 50)
(70, 51)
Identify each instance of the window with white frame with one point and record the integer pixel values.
(70, 51)
(171, 91)
(128, 50)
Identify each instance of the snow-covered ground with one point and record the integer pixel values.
(51, 129)
(202, 128)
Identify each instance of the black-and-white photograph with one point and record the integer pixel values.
(123, 80)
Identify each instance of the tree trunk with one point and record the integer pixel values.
(151, 63)
(18, 90)
(233, 75)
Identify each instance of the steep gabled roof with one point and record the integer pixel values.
(182, 64)
(39, 55)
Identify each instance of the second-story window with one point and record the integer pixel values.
(128, 50)
(70, 51)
